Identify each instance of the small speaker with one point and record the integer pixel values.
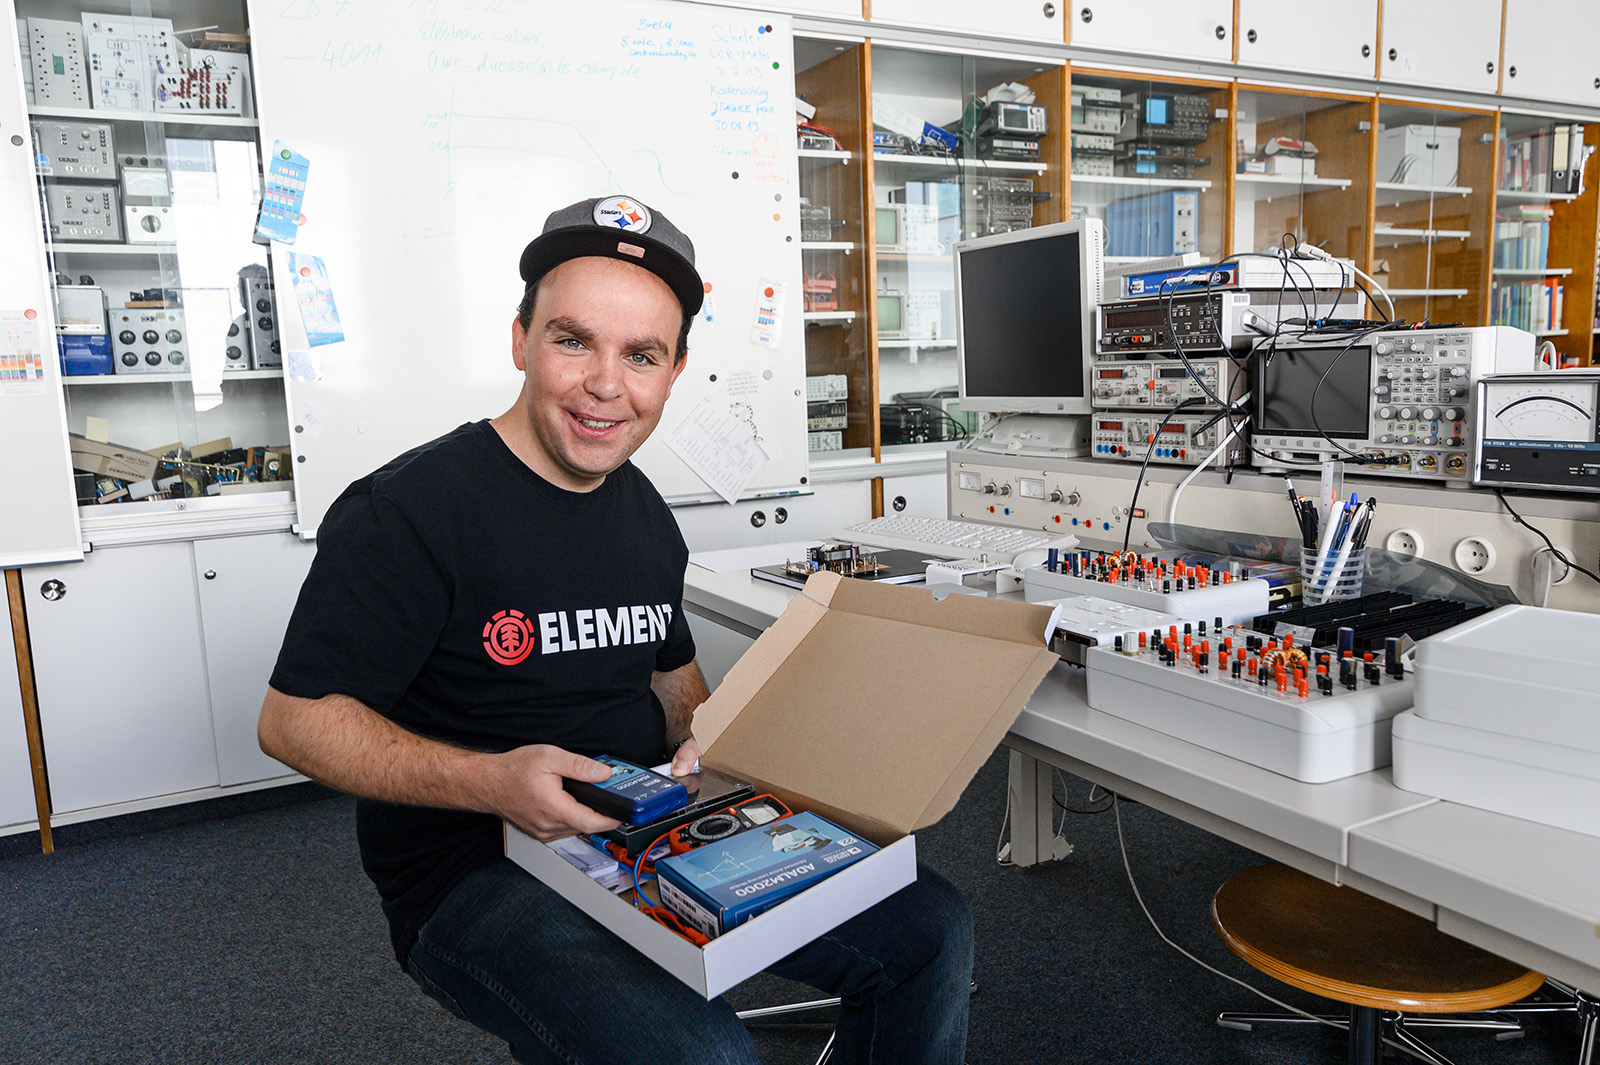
(266, 353)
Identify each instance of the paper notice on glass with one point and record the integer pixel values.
(717, 447)
(22, 354)
(766, 326)
(313, 293)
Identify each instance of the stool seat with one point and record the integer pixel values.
(1341, 944)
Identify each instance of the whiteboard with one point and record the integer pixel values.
(40, 508)
(439, 138)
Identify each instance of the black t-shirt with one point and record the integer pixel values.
(465, 598)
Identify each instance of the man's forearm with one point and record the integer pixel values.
(345, 744)
(680, 691)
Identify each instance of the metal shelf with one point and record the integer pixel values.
(1274, 186)
(941, 162)
(827, 245)
(1562, 272)
(823, 153)
(1420, 293)
(165, 378)
(160, 118)
(1398, 235)
(828, 316)
(1392, 193)
(111, 250)
(1523, 196)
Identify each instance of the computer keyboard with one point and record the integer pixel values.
(959, 539)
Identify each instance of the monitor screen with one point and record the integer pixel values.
(1025, 313)
(891, 313)
(889, 223)
(1287, 381)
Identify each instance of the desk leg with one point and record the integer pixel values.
(1032, 810)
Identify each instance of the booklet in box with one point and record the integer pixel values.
(869, 705)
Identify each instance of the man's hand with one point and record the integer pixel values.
(684, 758)
(529, 793)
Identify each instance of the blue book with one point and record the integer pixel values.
(723, 884)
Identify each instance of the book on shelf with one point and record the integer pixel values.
(1548, 160)
(1522, 238)
(1535, 306)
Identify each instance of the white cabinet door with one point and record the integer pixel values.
(1303, 37)
(1428, 44)
(1197, 29)
(17, 809)
(836, 8)
(248, 586)
(921, 495)
(719, 526)
(1553, 50)
(120, 673)
(1024, 19)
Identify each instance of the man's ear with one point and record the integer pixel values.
(519, 338)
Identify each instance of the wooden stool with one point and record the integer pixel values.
(1376, 958)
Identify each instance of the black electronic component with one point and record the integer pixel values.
(631, 794)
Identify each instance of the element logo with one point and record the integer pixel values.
(508, 637)
(624, 213)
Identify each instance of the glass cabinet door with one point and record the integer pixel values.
(1543, 238)
(1150, 159)
(146, 147)
(829, 76)
(963, 147)
(1434, 194)
(1301, 173)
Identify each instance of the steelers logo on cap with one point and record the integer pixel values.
(626, 214)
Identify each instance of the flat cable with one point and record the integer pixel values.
(1122, 846)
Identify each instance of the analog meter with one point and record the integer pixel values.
(1539, 431)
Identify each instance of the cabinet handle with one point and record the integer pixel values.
(211, 574)
(780, 515)
(1511, 72)
(1366, 51)
(1049, 11)
(1086, 15)
(899, 504)
(1489, 67)
(758, 519)
(1222, 33)
(1393, 55)
(52, 589)
(1250, 36)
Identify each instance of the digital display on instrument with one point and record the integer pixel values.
(1174, 428)
(1337, 378)
(1174, 371)
(1115, 427)
(1111, 375)
(1144, 317)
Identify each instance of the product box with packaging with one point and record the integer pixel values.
(870, 705)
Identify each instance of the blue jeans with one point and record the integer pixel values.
(510, 955)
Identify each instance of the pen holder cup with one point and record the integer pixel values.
(1322, 581)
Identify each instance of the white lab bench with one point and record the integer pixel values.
(1526, 891)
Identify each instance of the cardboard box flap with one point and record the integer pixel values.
(877, 701)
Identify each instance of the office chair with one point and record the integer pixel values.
(764, 1012)
(1385, 964)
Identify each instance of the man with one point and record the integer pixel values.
(493, 607)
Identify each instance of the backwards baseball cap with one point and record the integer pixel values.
(617, 227)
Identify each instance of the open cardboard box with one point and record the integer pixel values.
(872, 705)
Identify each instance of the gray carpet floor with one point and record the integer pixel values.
(243, 931)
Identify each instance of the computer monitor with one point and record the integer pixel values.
(1025, 318)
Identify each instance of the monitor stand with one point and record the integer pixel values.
(1042, 435)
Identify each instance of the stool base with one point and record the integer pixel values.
(1370, 1028)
